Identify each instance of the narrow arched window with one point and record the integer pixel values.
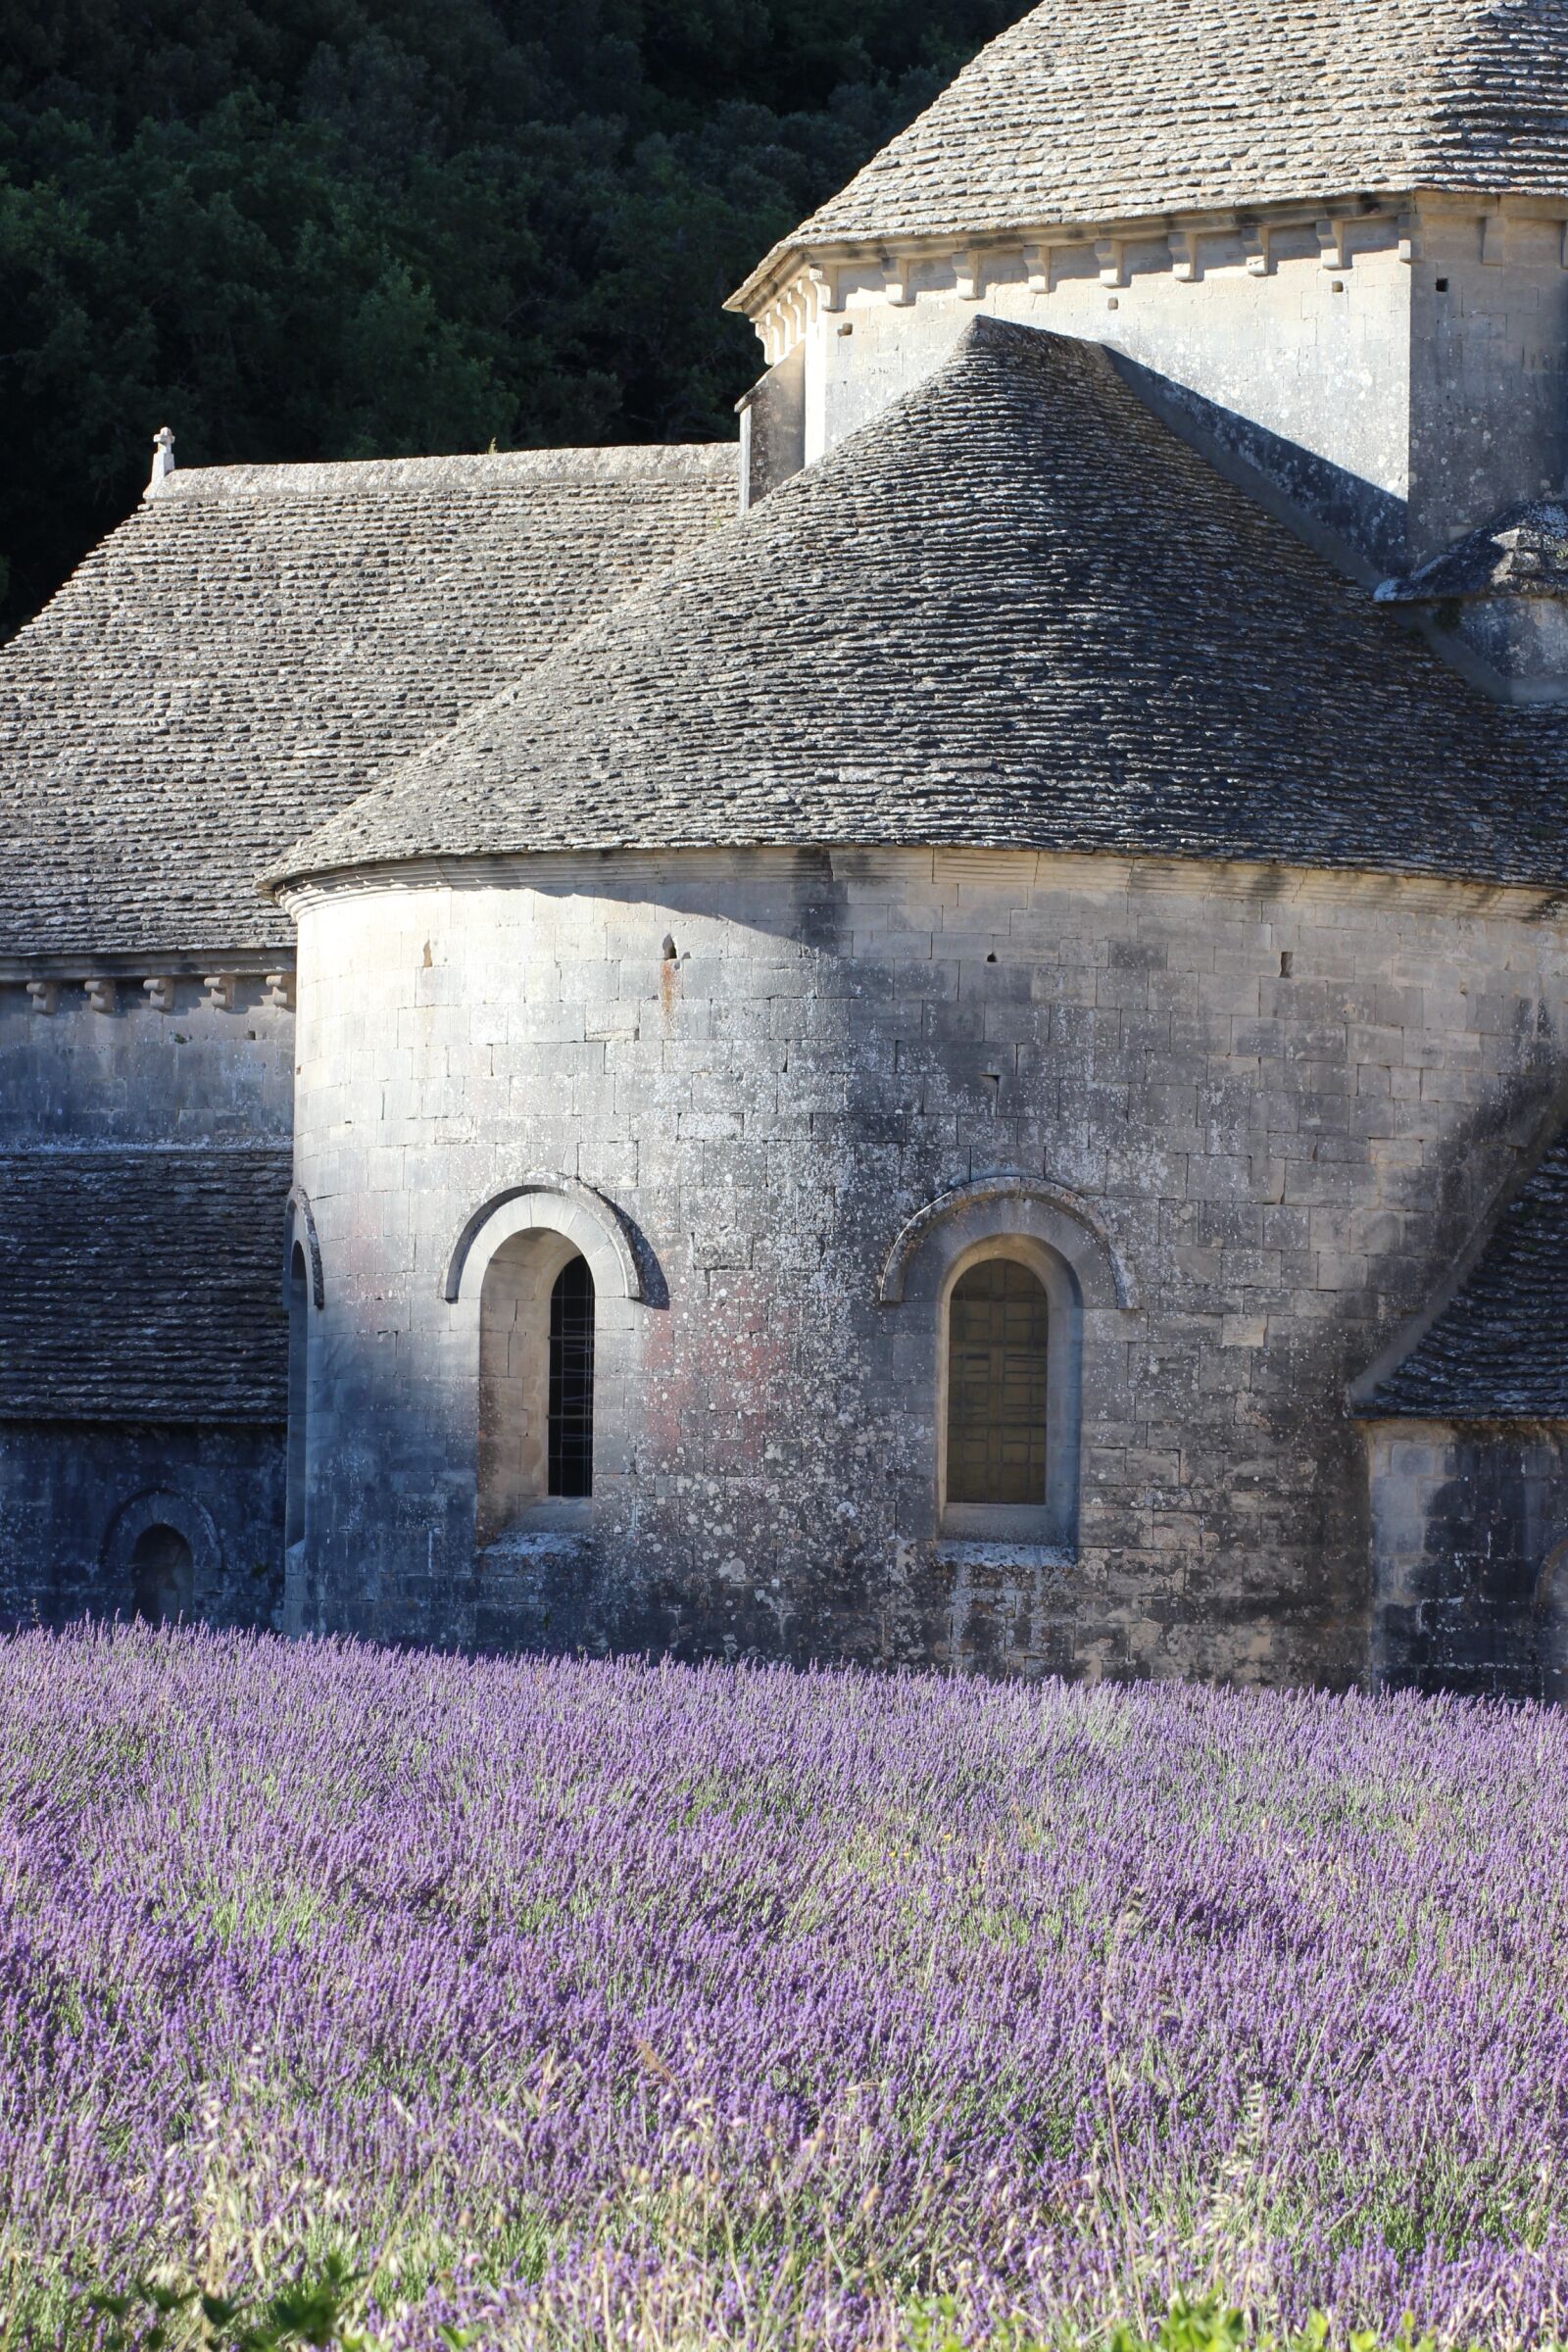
(298, 1368)
(536, 1382)
(998, 1332)
(571, 1380)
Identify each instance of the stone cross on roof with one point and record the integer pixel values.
(162, 460)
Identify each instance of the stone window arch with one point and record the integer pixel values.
(548, 1276)
(999, 1391)
(999, 1283)
(1010, 1383)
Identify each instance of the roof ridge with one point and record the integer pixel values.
(636, 463)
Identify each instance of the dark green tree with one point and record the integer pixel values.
(331, 228)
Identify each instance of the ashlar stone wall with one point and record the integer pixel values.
(132, 1056)
(1253, 1112)
(1470, 1531)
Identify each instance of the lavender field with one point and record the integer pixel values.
(611, 2005)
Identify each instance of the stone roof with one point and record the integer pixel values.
(1500, 1350)
(1015, 609)
(1523, 553)
(143, 1283)
(235, 660)
(1110, 110)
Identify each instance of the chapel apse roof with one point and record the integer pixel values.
(1104, 110)
(1013, 610)
(236, 660)
(143, 1285)
(1499, 1349)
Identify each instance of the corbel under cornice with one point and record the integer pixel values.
(799, 282)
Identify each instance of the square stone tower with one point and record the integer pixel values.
(1329, 240)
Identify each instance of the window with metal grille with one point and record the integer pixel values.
(571, 1380)
(997, 1332)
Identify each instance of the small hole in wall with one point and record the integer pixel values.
(992, 957)
(251, 1034)
(847, 328)
(1339, 285)
(1443, 285)
(1287, 963)
(1113, 303)
(668, 949)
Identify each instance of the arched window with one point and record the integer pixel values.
(298, 1372)
(161, 1568)
(1006, 1288)
(1010, 1324)
(536, 1381)
(571, 1380)
(999, 1356)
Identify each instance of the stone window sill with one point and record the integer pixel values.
(561, 1516)
(1001, 1552)
(1002, 1523)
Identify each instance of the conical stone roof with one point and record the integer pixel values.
(1016, 610)
(1110, 110)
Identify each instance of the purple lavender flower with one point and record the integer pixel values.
(754, 2008)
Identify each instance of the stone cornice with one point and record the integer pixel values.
(230, 980)
(798, 284)
(1261, 885)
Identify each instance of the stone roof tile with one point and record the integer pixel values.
(236, 660)
(1015, 609)
(143, 1285)
(1500, 1350)
(1106, 110)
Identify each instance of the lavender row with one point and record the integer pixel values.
(583, 2002)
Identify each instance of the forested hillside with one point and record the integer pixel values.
(327, 228)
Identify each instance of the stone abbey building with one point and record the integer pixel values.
(937, 1037)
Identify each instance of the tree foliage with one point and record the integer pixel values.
(330, 229)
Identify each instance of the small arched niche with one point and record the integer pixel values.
(163, 1571)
